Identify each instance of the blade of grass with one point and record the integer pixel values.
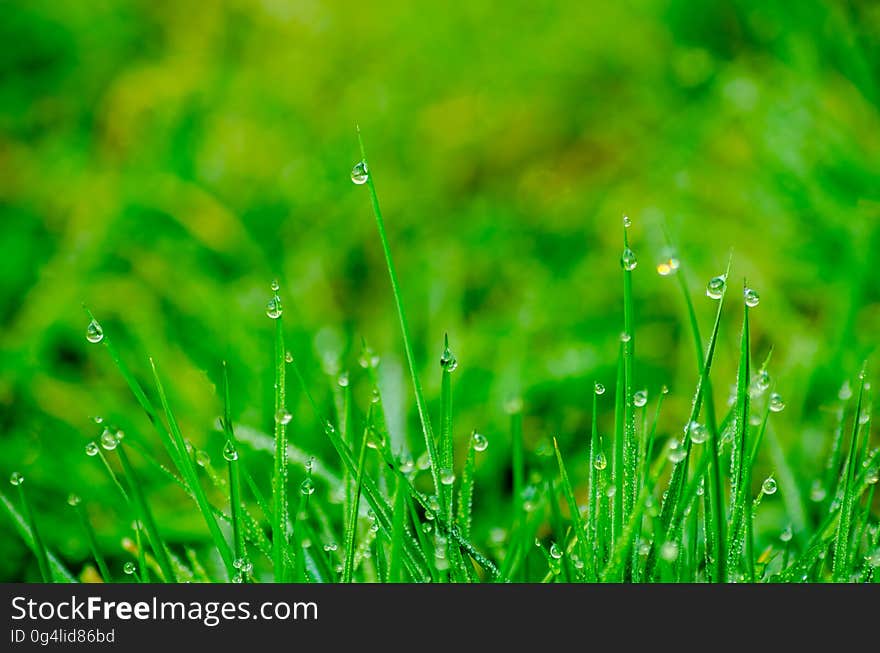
(421, 405)
(577, 519)
(92, 537)
(351, 526)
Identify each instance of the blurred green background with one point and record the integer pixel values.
(162, 161)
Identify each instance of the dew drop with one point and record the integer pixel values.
(307, 487)
(423, 462)
(447, 476)
(230, 453)
(627, 223)
(406, 465)
(283, 417)
(16, 478)
(786, 535)
(94, 332)
(640, 398)
(360, 173)
(448, 361)
(480, 441)
(202, 458)
(555, 551)
(698, 432)
(92, 449)
(330, 547)
(777, 405)
(343, 380)
(513, 406)
(715, 287)
(768, 487)
(664, 389)
(108, 440)
(762, 380)
(73, 500)
(872, 476)
(864, 417)
(625, 337)
(600, 462)
(598, 388)
(129, 568)
(751, 297)
(676, 451)
(273, 308)
(628, 260)
(669, 551)
(845, 391)
(288, 357)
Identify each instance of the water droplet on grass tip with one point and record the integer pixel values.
(668, 266)
(16, 478)
(600, 462)
(762, 380)
(94, 332)
(640, 398)
(230, 453)
(360, 173)
(751, 297)
(627, 223)
(273, 308)
(715, 287)
(598, 388)
(698, 432)
(768, 487)
(108, 440)
(288, 357)
(786, 535)
(92, 449)
(625, 337)
(129, 568)
(555, 551)
(343, 380)
(307, 487)
(283, 417)
(275, 286)
(447, 360)
(628, 260)
(73, 500)
(777, 405)
(845, 391)
(447, 476)
(480, 442)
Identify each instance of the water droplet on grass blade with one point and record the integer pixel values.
(423, 462)
(598, 388)
(330, 547)
(73, 500)
(108, 440)
(668, 266)
(872, 476)
(698, 432)
(343, 380)
(777, 405)
(762, 380)
(628, 260)
(94, 332)
(230, 453)
(555, 551)
(447, 476)
(447, 360)
(16, 478)
(283, 417)
(669, 551)
(640, 398)
(676, 451)
(92, 449)
(129, 568)
(627, 223)
(715, 287)
(307, 487)
(202, 458)
(786, 535)
(768, 487)
(600, 462)
(480, 442)
(360, 173)
(751, 297)
(274, 308)
(625, 337)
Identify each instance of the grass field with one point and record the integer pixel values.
(477, 372)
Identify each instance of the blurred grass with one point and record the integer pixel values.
(162, 161)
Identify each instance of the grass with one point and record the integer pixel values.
(683, 510)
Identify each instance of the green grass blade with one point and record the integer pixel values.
(280, 542)
(352, 522)
(630, 451)
(448, 364)
(421, 405)
(466, 491)
(187, 468)
(92, 537)
(577, 519)
(38, 546)
(145, 517)
(840, 571)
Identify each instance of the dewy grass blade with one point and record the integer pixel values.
(352, 521)
(618, 463)
(38, 546)
(230, 454)
(89, 530)
(577, 519)
(840, 567)
(280, 541)
(466, 490)
(187, 468)
(421, 405)
(145, 517)
(630, 451)
(60, 573)
(448, 363)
